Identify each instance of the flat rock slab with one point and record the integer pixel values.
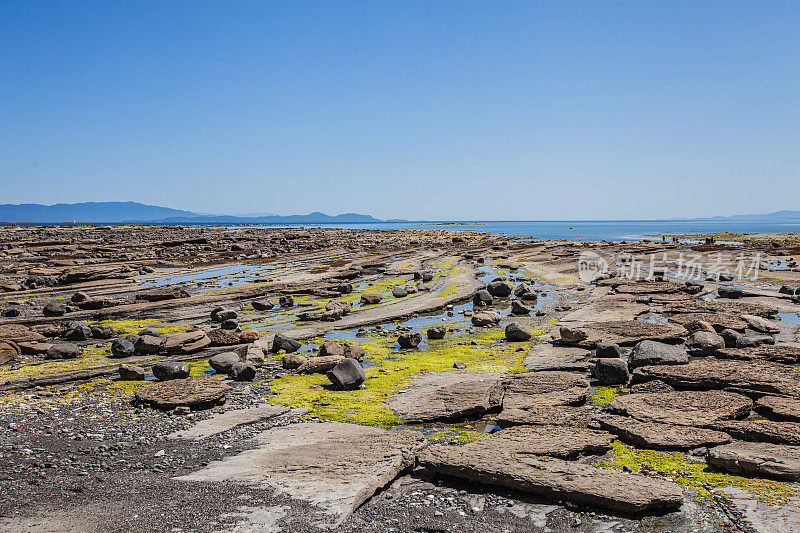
(555, 478)
(658, 436)
(183, 392)
(448, 395)
(777, 353)
(560, 415)
(684, 408)
(545, 389)
(551, 440)
(630, 332)
(779, 407)
(757, 459)
(331, 465)
(756, 377)
(762, 431)
(546, 356)
(222, 422)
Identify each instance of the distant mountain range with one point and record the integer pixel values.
(133, 212)
(121, 212)
(777, 215)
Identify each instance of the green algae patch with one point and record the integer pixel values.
(697, 476)
(132, 325)
(93, 356)
(457, 435)
(389, 370)
(604, 395)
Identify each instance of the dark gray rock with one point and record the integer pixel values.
(167, 370)
(657, 353)
(122, 348)
(704, 343)
(347, 375)
(262, 305)
(102, 331)
(285, 343)
(409, 340)
(241, 371)
(482, 297)
(437, 332)
(517, 308)
(222, 362)
(55, 309)
(63, 350)
(131, 373)
(229, 324)
(286, 301)
(611, 371)
(607, 349)
(516, 333)
(77, 331)
(500, 289)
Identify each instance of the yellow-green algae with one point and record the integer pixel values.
(697, 476)
(133, 325)
(604, 395)
(392, 369)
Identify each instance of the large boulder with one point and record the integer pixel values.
(500, 288)
(222, 362)
(347, 375)
(167, 370)
(121, 348)
(482, 297)
(704, 343)
(283, 342)
(409, 340)
(64, 350)
(516, 333)
(610, 371)
(657, 353)
(241, 371)
(188, 342)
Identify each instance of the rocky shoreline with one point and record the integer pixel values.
(270, 379)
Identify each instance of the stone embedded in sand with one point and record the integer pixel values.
(762, 431)
(684, 408)
(755, 377)
(334, 467)
(757, 459)
(186, 343)
(448, 395)
(779, 407)
(532, 390)
(555, 478)
(559, 415)
(183, 392)
(658, 436)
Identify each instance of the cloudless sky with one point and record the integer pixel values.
(418, 110)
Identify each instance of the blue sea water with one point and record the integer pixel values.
(583, 230)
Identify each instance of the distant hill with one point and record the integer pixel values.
(777, 215)
(86, 212)
(120, 212)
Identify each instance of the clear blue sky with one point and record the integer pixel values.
(434, 110)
